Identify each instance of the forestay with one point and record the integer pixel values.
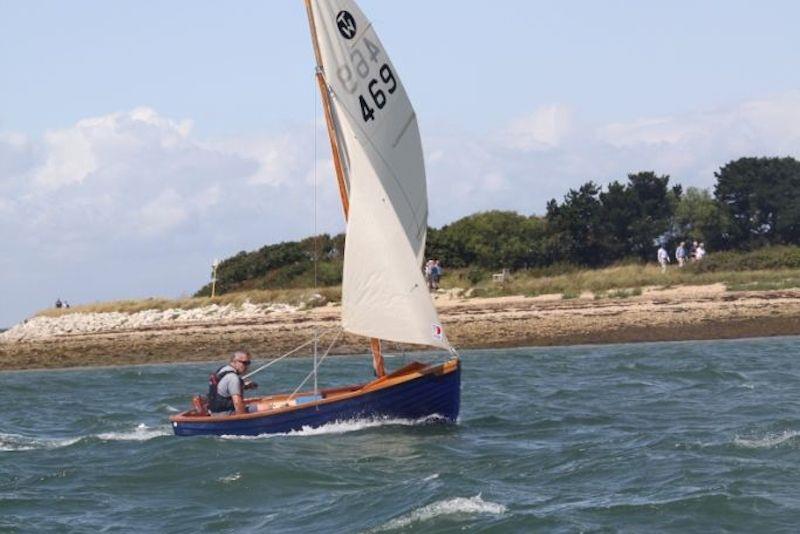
(383, 292)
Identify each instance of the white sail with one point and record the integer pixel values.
(384, 294)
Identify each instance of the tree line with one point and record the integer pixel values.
(755, 203)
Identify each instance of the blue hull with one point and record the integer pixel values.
(427, 395)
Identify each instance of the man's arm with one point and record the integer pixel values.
(238, 404)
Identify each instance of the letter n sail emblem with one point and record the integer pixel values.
(437, 331)
(346, 24)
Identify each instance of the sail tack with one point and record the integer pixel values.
(384, 294)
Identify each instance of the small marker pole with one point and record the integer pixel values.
(214, 266)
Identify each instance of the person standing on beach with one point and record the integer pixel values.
(436, 274)
(429, 274)
(700, 252)
(680, 254)
(225, 386)
(663, 258)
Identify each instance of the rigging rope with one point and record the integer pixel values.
(316, 365)
(276, 360)
(316, 237)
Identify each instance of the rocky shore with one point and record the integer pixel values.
(209, 333)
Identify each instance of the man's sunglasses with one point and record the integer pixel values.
(248, 362)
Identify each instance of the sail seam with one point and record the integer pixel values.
(403, 131)
(385, 163)
(355, 42)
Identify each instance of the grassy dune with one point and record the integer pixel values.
(297, 297)
(623, 280)
(613, 282)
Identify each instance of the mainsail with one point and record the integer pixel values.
(384, 294)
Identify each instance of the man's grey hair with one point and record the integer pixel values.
(240, 353)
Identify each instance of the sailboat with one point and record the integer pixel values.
(378, 161)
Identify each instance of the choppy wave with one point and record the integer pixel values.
(765, 442)
(230, 478)
(343, 427)
(141, 433)
(18, 442)
(455, 506)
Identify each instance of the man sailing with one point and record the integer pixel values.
(225, 385)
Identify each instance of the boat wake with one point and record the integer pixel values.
(18, 442)
(142, 432)
(768, 441)
(344, 427)
(448, 507)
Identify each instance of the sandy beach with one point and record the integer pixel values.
(202, 334)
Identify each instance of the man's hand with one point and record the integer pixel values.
(249, 384)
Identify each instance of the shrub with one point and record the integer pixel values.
(777, 257)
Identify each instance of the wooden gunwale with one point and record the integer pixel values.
(405, 374)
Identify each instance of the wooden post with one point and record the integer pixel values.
(214, 266)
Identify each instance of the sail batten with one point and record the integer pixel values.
(384, 294)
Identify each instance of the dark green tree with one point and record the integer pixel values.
(491, 240)
(651, 206)
(761, 196)
(575, 227)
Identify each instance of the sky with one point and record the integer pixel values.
(141, 140)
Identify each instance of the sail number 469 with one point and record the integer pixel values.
(377, 94)
(377, 91)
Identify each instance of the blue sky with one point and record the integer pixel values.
(139, 140)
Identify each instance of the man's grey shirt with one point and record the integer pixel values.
(229, 385)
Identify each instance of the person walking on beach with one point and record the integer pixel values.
(680, 254)
(226, 386)
(663, 258)
(700, 253)
(436, 274)
(429, 274)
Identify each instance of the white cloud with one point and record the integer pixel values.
(543, 129)
(70, 159)
(164, 212)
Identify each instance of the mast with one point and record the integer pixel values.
(375, 344)
(326, 105)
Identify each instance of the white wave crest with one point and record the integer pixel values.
(455, 506)
(342, 427)
(770, 440)
(432, 477)
(17, 442)
(230, 478)
(141, 433)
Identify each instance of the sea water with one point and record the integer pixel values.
(681, 437)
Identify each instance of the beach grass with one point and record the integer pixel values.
(622, 281)
(616, 282)
(304, 298)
